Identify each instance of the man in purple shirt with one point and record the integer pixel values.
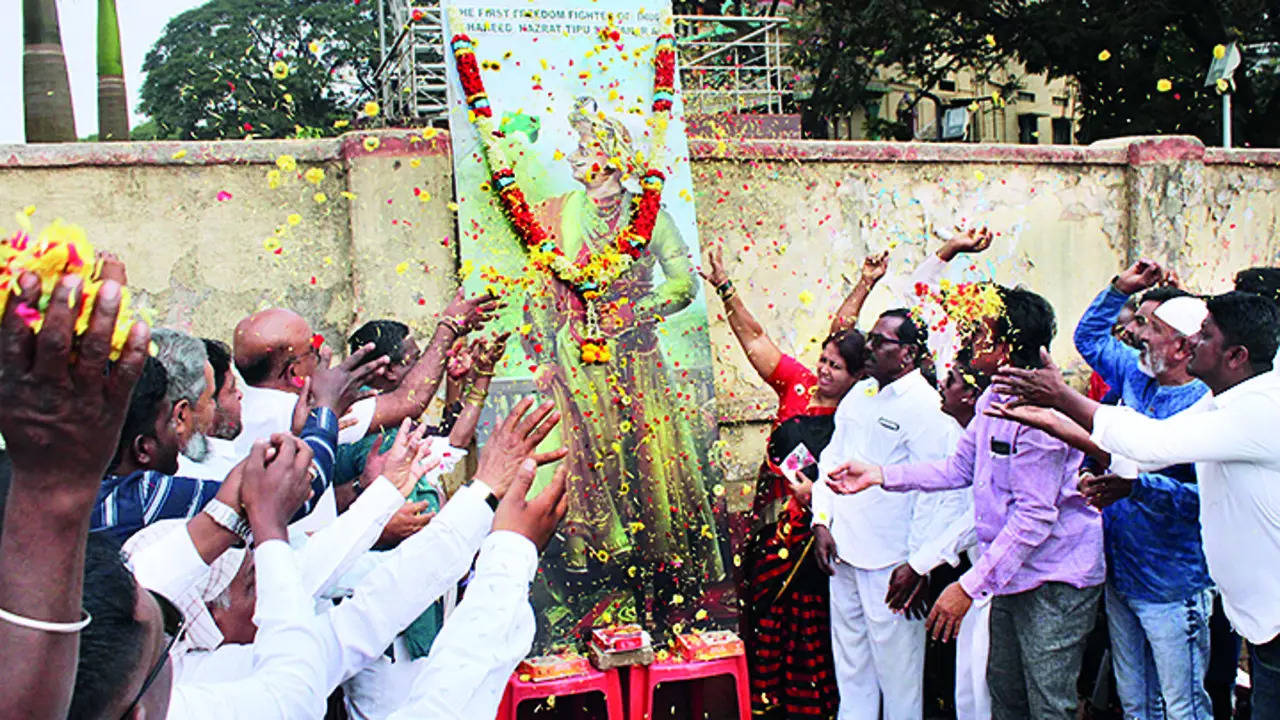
(1042, 560)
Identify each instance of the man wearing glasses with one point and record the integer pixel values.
(892, 416)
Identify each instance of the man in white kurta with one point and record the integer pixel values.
(880, 654)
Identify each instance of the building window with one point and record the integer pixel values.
(1060, 102)
(1061, 131)
(1028, 129)
(1024, 96)
(947, 85)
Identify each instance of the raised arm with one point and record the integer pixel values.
(761, 351)
(873, 268)
(411, 398)
(61, 416)
(485, 355)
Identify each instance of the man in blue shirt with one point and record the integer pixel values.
(141, 487)
(1158, 596)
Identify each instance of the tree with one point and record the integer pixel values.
(46, 91)
(849, 45)
(235, 67)
(922, 41)
(1146, 43)
(113, 100)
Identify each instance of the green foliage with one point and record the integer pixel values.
(844, 42)
(209, 76)
(1148, 42)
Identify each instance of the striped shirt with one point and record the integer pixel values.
(128, 503)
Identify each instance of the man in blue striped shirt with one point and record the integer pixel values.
(141, 487)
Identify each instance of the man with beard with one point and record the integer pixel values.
(1157, 596)
(142, 484)
(221, 455)
(190, 389)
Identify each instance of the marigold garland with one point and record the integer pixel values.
(589, 279)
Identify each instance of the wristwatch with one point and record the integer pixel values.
(228, 518)
(489, 498)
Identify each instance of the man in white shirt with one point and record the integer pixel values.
(299, 657)
(276, 351)
(221, 455)
(859, 541)
(1230, 436)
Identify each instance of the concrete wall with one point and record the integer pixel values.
(795, 217)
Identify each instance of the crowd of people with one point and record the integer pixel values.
(1146, 510)
(201, 529)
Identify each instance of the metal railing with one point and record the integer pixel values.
(728, 64)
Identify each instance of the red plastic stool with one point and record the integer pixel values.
(645, 680)
(606, 682)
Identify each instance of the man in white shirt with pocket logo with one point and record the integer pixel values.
(894, 416)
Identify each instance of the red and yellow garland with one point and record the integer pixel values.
(603, 267)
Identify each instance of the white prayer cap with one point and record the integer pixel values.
(1184, 314)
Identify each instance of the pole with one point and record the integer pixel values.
(1226, 120)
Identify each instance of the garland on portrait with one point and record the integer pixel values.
(592, 278)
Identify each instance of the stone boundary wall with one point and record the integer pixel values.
(207, 239)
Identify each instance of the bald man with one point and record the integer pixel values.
(276, 351)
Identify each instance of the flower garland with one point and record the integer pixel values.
(60, 250)
(589, 279)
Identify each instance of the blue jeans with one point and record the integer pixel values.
(1160, 652)
(1264, 676)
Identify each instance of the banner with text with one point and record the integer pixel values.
(575, 203)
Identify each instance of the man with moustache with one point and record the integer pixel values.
(1157, 597)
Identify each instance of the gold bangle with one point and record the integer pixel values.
(477, 396)
(478, 371)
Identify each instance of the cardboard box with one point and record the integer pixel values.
(552, 667)
(711, 645)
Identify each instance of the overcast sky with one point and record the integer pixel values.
(141, 22)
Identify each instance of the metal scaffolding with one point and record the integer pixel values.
(728, 64)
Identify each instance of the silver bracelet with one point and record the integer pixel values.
(44, 625)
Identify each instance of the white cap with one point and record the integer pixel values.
(1184, 314)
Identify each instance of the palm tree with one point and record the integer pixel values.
(46, 92)
(113, 101)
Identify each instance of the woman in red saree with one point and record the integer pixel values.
(785, 621)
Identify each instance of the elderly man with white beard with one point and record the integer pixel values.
(1157, 595)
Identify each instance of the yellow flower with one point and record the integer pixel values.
(1219, 51)
(1163, 85)
(339, 124)
(314, 47)
(991, 40)
(371, 109)
(279, 69)
(179, 155)
(273, 179)
(287, 163)
(29, 210)
(702, 614)
(430, 133)
(602, 556)
(288, 97)
(424, 196)
(805, 297)
(294, 218)
(320, 198)
(402, 268)
(1104, 56)
(314, 175)
(783, 553)
(371, 143)
(979, 175)
(1222, 85)
(415, 162)
(271, 244)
